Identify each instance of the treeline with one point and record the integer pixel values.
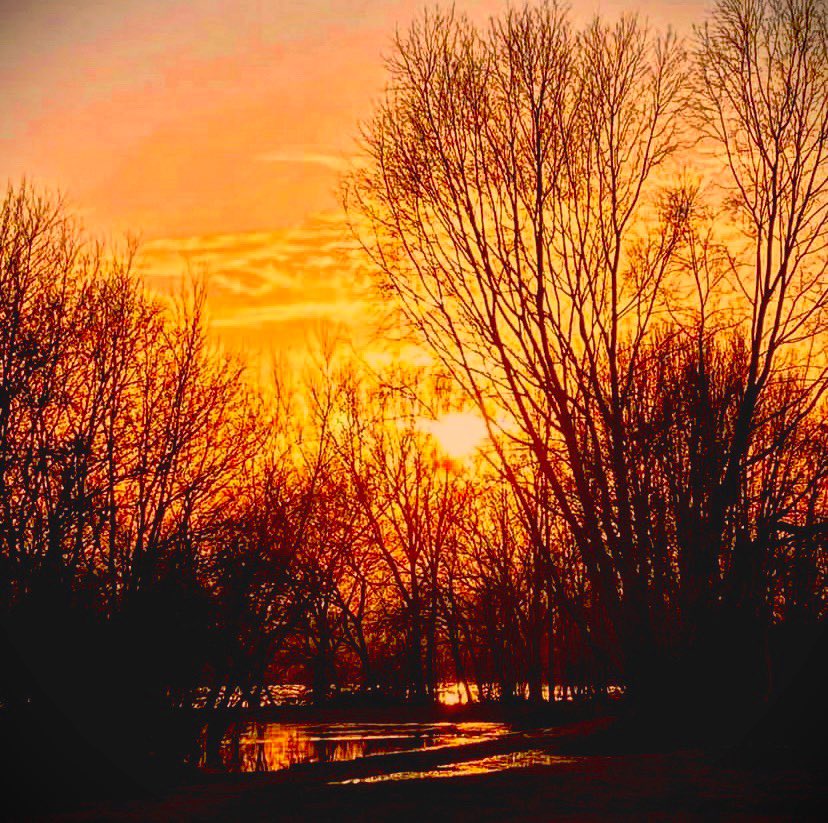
(176, 532)
(173, 534)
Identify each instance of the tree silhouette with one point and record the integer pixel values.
(514, 205)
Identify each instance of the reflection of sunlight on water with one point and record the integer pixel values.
(448, 694)
(485, 765)
(268, 747)
(455, 694)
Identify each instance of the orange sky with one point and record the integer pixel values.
(217, 130)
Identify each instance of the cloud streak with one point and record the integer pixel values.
(329, 161)
(270, 289)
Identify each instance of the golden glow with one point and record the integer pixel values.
(459, 434)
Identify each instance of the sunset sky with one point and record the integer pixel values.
(217, 130)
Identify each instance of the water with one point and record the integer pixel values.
(448, 694)
(484, 765)
(269, 747)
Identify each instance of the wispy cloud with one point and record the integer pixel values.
(330, 161)
(270, 286)
(260, 316)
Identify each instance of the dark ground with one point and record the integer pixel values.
(678, 786)
(597, 777)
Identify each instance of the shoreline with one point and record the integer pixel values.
(580, 779)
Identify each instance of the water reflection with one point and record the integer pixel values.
(484, 765)
(448, 694)
(268, 747)
(453, 694)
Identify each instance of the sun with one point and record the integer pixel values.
(459, 434)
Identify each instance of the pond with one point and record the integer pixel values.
(269, 747)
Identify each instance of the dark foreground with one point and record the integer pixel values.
(570, 772)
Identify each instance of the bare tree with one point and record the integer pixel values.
(763, 75)
(511, 172)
